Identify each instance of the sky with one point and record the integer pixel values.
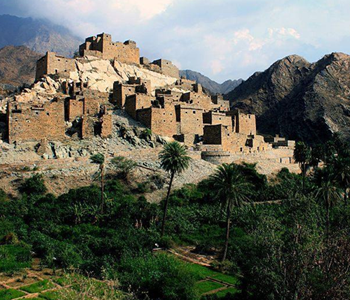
(222, 39)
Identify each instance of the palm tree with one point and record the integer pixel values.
(100, 160)
(231, 190)
(327, 192)
(174, 160)
(341, 169)
(302, 155)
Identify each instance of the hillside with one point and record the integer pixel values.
(17, 65)
(298, 99)
(38, 35)
(211, 85)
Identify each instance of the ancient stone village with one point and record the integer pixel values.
(177, 108)
(201, 151)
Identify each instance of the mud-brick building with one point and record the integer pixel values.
(33, 122)
(58, 119)
(52, 63)
(102, 46)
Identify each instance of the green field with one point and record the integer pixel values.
(204, 287)
(10, 294)
(38, 286)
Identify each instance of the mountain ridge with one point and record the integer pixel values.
(39, 35)
(211, 85)
(298, 99)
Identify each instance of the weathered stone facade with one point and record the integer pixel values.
(163, 66)
(52, 63)
(103, 47)
(34, 122)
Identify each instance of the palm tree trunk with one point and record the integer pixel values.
(328, 208)
(166, 203)
(345, 197)
(228, 223)
(304, 175)
(102, 189)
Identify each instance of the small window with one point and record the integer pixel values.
(241, 149)
(48, 113)
(194, 111)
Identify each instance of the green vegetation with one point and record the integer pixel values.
(204, 287)
(10, 294)
(174, 160)
(290, 239)
(14, 257)
(38, 286)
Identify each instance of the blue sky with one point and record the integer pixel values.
(223, 39)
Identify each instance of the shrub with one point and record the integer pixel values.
(14, 258)
(146, 134)
(34, 185)
(158, 277)
(123, 165)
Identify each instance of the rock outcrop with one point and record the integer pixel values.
(17, 65)
(298, 99)
(101, 74)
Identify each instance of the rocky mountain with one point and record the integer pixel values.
(38, 35)
(212, 86)
(17, 65)
(298, 99)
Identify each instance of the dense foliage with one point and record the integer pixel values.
(290, 239)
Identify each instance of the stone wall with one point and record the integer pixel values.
(212, 135)
(103, 47)
(30, 122)
(134, 85)
(106, 125)
(52, 63)
(88, 127)
(161, 121)
(167, 68)
(136, 102)
(191, 120)
(245, 124)
(214, 118)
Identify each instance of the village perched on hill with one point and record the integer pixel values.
(68, 103)
(128, 174)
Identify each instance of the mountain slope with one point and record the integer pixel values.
(211, 85)
(17, 65)
(38, 35)
(298, 99)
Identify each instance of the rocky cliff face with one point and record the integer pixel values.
(298, 99)
(212, 86)
(38, 35)
(17, 65)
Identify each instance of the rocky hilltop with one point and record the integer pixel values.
(17, 65)
(212, 86)
(298, 99)
(38, 35)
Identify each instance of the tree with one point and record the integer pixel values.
(327, 192)
(341, 169)
(302, 156)
(34, 185)
(231, 190)
(124, 166)
(174, 160)
(100, 160)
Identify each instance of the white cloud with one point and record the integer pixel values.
(220, 38)
(287, 32)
